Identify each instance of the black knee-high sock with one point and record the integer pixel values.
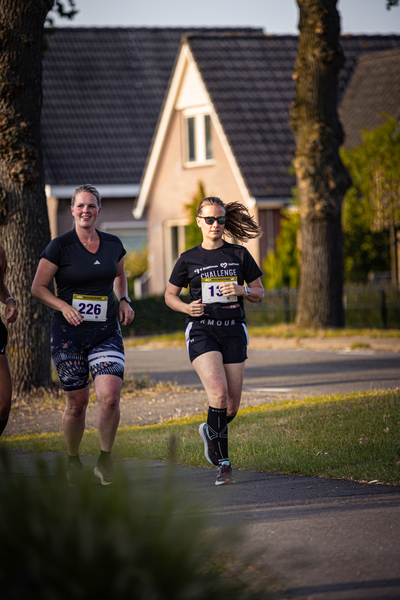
(218, 431)
(231, 417)
(3, 425)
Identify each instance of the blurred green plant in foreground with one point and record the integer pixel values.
(140, 540)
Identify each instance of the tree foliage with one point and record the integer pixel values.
(136, 264)
(193, 236)
(65, 10)
(372, 204)
(282, 267)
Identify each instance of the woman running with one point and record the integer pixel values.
(10, 313)
(88, 267)
(220, 275)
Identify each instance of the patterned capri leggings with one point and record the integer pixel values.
(78, 351)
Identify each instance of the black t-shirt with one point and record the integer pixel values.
(82, 272)
(198, 264)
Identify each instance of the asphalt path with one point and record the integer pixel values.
(294, 372)
(321, 539)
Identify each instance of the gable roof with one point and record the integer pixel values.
(249, 81)
(374, 89)
(103, 90)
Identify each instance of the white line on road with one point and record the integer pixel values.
(264, 389)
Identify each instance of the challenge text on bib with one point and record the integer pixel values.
(210, 291)
(92, 308)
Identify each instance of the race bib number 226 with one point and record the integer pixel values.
(92, 308)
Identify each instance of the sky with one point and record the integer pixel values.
(273, 16)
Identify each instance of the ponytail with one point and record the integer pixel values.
(239, 223)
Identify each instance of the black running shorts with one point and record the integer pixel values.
(78, 351)
(3, 337)
(228, 337)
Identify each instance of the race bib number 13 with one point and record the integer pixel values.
(210, 290)
(92, 308)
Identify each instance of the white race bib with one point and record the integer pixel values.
(210, 290)
(92, 308)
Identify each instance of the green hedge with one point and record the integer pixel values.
(153, 316)
(363, 308)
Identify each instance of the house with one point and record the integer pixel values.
(147, 114)
(374, 90)
(103, 90)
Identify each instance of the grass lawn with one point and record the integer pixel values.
(354, 436)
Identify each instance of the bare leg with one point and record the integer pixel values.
(108, 391)
(5, 390)
(209, 367)
(222, 383)
(73, 421)
(234, 376)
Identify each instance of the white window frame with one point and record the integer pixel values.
(108, 226)
(169, 259)
(198, 114)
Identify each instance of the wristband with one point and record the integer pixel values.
(11, 298)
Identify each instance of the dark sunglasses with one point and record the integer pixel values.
(210, 220)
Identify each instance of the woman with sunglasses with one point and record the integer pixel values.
(220, 276)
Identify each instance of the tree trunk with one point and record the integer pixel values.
(24, 227)
(322, 179)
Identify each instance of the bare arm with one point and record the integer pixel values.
(126, 312)
(40, 289)
(194, 309)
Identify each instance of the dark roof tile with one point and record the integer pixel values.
(374, 89)
(256, 74)
(104, 89)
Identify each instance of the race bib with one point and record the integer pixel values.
(210, 291)
(92, 308)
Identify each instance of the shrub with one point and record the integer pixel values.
(143, 541)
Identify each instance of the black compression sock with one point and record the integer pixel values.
(3, 425)
(104, 457)
(231, 417)
(218, 431)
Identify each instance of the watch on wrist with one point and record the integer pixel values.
(126, 298)
(246, 290)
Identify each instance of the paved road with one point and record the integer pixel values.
(325, 539)
(299, 372)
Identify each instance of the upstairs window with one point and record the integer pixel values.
(191, 139)
(197, 142)
(207, 136)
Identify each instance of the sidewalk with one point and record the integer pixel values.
(325, 539)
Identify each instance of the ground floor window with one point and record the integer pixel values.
(133, 236)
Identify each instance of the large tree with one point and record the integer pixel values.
(321, 177)
(24, 227)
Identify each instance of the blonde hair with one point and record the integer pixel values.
(87, 187)
(239, 222)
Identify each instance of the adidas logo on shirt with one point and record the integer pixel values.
(96, 263)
